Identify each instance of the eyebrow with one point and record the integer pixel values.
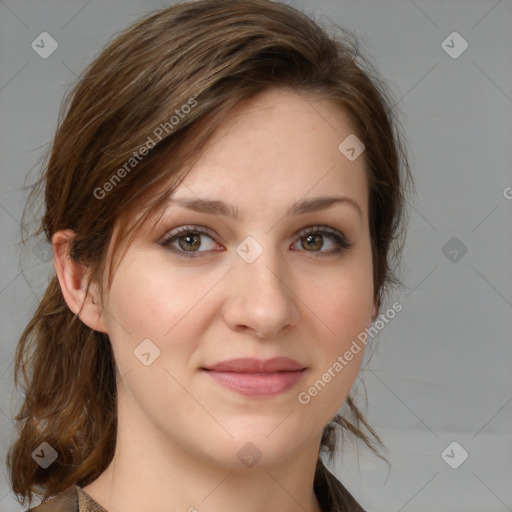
(313, 204)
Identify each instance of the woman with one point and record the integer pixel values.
(224, 197)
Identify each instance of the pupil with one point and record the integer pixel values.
(189, 242)
(311, 243)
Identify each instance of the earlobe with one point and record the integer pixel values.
(73, 279)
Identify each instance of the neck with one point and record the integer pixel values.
(149, 471)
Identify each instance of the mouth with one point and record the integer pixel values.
(256, 377)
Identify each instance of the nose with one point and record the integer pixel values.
(261, 297)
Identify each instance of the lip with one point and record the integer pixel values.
(254, 365)
(256, 377)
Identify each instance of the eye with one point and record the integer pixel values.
(314, 238)
(188, 239)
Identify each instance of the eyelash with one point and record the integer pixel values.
(338, 238)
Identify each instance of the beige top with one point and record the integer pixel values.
(74, 499)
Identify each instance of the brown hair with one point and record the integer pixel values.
(182, 69)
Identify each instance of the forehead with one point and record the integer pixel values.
(275, 149)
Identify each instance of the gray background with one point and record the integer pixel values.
(441, 372)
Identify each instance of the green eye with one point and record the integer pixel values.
(187, 240)
(315, 238)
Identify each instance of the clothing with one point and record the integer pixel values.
(76, 499)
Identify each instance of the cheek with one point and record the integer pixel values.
(343, 311)
(341, 308)
(342, 302)
(150, 298)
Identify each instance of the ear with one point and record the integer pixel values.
(73, 278)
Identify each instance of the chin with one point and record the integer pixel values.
(251, 446)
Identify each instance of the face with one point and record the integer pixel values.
(278, 279)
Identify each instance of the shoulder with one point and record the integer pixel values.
(67, 501)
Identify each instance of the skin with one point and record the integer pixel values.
(179, 431)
